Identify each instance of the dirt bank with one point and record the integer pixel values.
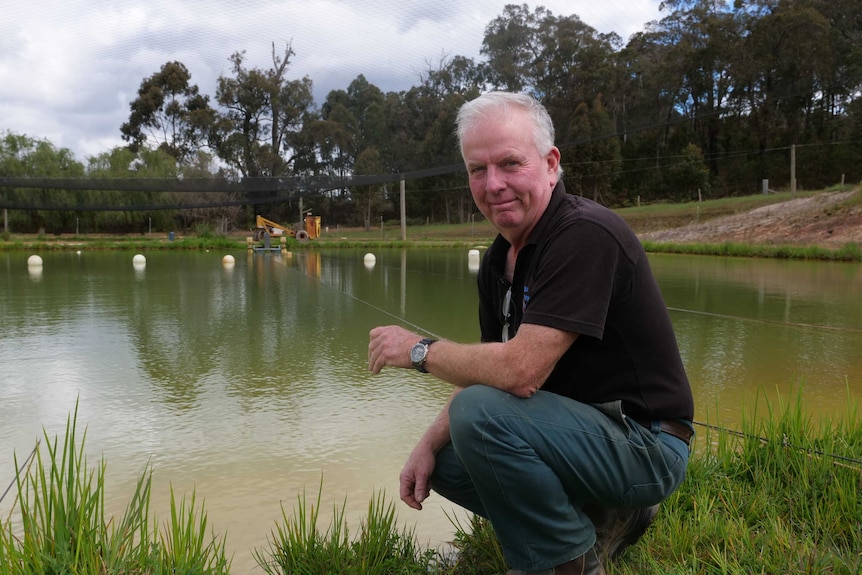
(829, 220)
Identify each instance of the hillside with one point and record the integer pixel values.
(827, 219)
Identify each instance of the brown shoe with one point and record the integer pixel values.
(617, 529)
(587, 564)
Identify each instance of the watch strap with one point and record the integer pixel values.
(420, 365)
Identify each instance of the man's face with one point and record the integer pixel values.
(510, 181)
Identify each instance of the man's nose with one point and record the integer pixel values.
(494, 180)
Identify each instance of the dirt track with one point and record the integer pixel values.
(828, 220)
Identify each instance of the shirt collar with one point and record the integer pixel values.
(501, 245)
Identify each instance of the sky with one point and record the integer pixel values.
(70, 68)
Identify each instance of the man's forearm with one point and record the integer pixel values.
(515, 367)
(437, 434)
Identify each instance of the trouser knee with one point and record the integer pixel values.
(471, 409)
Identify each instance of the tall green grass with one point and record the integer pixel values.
(781, 495)
(58, 523)
(298, 546)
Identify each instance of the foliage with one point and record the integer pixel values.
(64, 528)
(258, 133)
(297, 545)
(848, 253)
(710, 99)
(593, 160)
(783, 495)
(170, 114)
(25, 157)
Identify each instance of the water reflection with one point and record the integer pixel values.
(747, 326)
(249, 384)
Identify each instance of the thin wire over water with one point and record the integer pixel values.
(842, 458)
(767, 321)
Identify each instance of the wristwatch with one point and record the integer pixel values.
(419, 353)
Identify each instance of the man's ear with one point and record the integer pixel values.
(553, 159)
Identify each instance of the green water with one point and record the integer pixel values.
(248, 382)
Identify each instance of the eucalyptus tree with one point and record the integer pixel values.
(512, 46)
(676, 88)
(649, 94)
(335, 135)
(576, 66)
(560, 60)
(352, 122)
(786, 47)
(704, 41)
(369, 199)
(804, 72)
(443, 89)
(169, 113)
(257, 130)
(591, 163)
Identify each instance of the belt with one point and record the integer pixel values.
(672, 427)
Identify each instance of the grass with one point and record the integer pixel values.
(380, 548)
(783, 495)
(662, 216)
(480, 233)
(851, 252)
(62, 528)
(59, 243)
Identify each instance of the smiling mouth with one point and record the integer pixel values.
(503, 205)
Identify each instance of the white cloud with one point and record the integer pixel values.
(68, 70)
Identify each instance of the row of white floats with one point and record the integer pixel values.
(370, 259)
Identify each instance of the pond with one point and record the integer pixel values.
(247, 383)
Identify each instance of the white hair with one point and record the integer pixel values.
(505, 103)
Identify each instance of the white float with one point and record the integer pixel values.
(473, 260)
(34, 262)
(139, 259)
(369, 260)
(228, 261)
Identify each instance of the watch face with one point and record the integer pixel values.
(417, 354)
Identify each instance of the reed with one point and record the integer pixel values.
(298, 546)
(781, 495)
(58, 522)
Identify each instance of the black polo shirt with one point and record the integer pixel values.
(583, 270)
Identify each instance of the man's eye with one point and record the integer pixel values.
(477, 170)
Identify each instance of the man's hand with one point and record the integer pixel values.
(414, 477)
(390, 346)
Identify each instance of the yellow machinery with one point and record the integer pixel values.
(264, 226)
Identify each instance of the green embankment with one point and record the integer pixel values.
(643, 219)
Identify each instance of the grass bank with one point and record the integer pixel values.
(476, 233)
(781, 495)
(846, 253)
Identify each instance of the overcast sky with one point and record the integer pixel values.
(70, 68)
